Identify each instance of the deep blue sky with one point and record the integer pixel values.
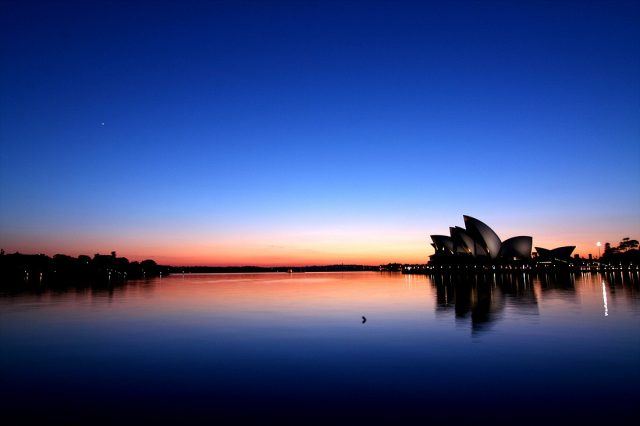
(341, 130)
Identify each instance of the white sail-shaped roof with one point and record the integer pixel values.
(483, 235)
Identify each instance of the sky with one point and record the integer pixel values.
(271, 133)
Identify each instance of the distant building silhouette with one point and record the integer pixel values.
(559, 254)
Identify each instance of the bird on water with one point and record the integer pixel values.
(364, 319)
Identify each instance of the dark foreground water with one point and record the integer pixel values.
(271, 348)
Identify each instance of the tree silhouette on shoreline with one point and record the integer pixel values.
(19, 269)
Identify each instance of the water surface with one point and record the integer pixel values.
(293, 347)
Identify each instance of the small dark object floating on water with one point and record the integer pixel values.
(364, 319)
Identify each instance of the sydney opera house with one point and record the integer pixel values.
(478, 243)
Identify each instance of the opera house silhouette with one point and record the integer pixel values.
(478, 243)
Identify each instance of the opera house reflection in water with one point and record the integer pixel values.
(481, 300)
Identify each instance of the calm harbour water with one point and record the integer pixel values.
(293, 347)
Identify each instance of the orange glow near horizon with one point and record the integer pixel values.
(357, 245)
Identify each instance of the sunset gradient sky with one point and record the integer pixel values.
(228, 133)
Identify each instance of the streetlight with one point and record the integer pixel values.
(598, 244)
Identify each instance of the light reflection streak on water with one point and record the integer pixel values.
(604, 299)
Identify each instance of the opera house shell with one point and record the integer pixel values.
(477, 242)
